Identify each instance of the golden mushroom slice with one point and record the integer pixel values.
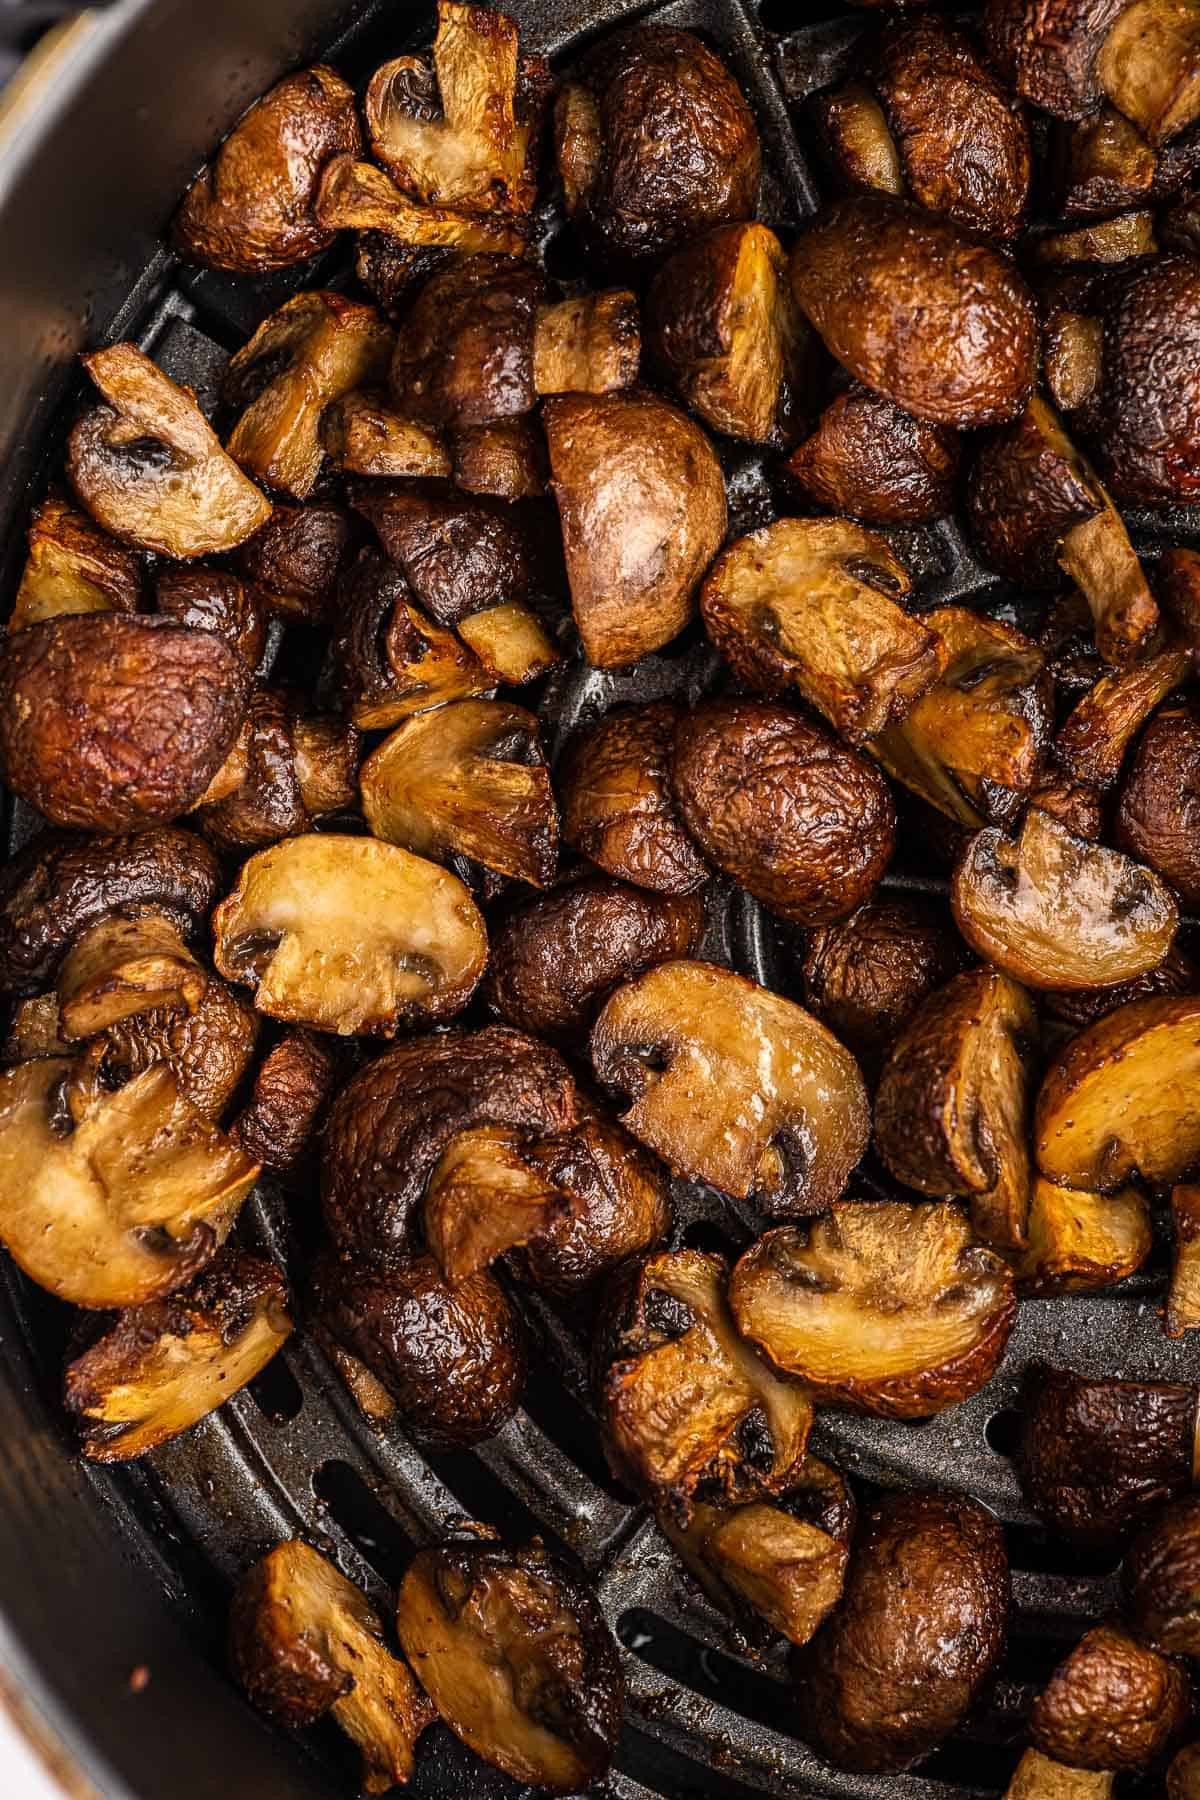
(363, 436)
(350, 935)
(112, 1199)
(1094, 737)
(316, 348)
(952, 1108)
(733, 1085)
(1118, 1100)
(356, 196)
(884, 1307)
(1081, 1242)
(587, 345)
(1058, 912)
(166, 1365)
(468, 779)
(812, 604)
(149, 467)
(72, 567)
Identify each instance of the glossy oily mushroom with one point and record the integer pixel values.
(211, 600)
(619, 1207)
(208, 1050)
(292, 1087)
(390, 659)
(1123, 239)
(1143, 415)
(1183, 1776)
(506, 459)
(358, 196)
(796, 818)
(1038, 1777)
(1092, 741)
(485, 1198)
(287, 769)
(517, 1657)
(589, 344)
(1048, 50)
(618, 808)
(871, 461)
(1158, 806)
(1149, 66)
(882, 1307)
(293, 563)
(464, 350)
(1160, 1579)
(350, 935)
(1112, 1703)
(73, 566)
(1081, 1243)
(784, 1117)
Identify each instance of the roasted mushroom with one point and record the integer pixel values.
(1149, 66)
(868, 459)
(73, 567)
(208, 1050)
(1112, 1703)
(292, 1086)
(1160, 1579)
(784, 1117)
(303, 1642)
(517, 1657)
(362, 435)
(1123, 239)
(357, 196)
(1104, 164)
(1079, 1242)
(167, 1364)
(1093, 739)
(1157, 808)
(350, 935)
(390, 659)
(1183, 1776)
(464, 351)
(212, 600)
(1049, 50)
(287, 769)
(506, 459)
(589, 344)
(617, 804)
(295, 560)
(1182, 1311)
(1038, 1777)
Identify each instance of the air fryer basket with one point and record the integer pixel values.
(113, 1583)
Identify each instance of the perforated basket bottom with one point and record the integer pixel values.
(292, 1456)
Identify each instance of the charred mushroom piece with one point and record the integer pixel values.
(1149, 66)
(516, 1656)
(617, 805)
(1079, 1242)
(919, 1632)
(295, 560)
(1160, 1580)
(292, 1087)
(1158, 809)
(868, 459)
(933, 320)
(469, 779)
(1111, 1703)
(286, 770)
(587, 345)
(363, 436)
(208, 1050)
(212, 600)
(251, 208)
(356, 196)
(165, 1365)
(642, 504)
(350, 935)
(812, 604)
(506, 459)
(315, 349)
(952, 1110)
(1038, 1777)
(73, 567)
(796, 818)
(303, 1642)
(1092, 742)
(149, 468)
(785, 1116)
(1048, 50)
(1182, 1312)
(112, 1199)
(390, 659)
(464, 351)
(1105, 164)
(882, 1307)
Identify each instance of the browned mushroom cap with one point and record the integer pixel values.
(464, 351)
(213, 600)
(150, 468)
(391, 1123)
(972, 745)
(292, 1087)
(1038, 1777)
(1103, 163)
(110, 722)
(952, 1110)
(303, 1642)
(1160, 1580)
(1183, 1776)
(390, 659)
(587, 345)
(1079, 1242)
(1112, 1703)
(165, 1365)
(785, 1115)
(963, 144)
(1179, 225)
(313, 350)
(294, 561)
(800, 821)
(287, 769)
(485, 1198)
(451, 1358)
(685, 1403)
(1149, 66)
(617, 804)
(73, 567)
(506, 459)
(363, 436)
(1098, 1455)
(112, 1199)
(1075, 804)
(208, 1050)
(882, 1306)
(391, 271)
(655, 145)
(1182, 1310)
(1115, 1101)
(464, 131)
(251, 208)
(926, 316)
(856, 140)
(1144, 412)
(1092, 741)
(642, 504)
(918, 1634)
(356, 196)
(126, 965)
(1048, 51)
(1058, 912)
(1158, 809)
(517, 1657)
(722, 325)
(468, 779)
(874, 462)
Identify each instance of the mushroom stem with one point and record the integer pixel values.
(484, 1199)
(122, 966)
(1101, 561)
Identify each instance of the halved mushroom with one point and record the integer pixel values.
(1149, 66)
(517, 1657)
(1092, 741)
(785, 1117)
(972, 745)
(1160, 1579)
(286, 770)
(165, 1365)
(303, 1642)
(642, 504)
(112, 1199)
(350, 935)
(1055, 911)
(812, 604)
(464, 350)
(390, 659)
(687, 1405)
(1049, 50)
(881, 1306)
(149, 467)
(313, 350)
(295, 560)
(1104, 164)
(1116, 240)
(111, 722)
(292, 1086)
(462, 129)
(251, 208)
(617, 805)
(1111, 1703)
(1157, 806)
(952, 1109)
(363, 436)
(391, 270)
(73, 567)
(356, 196)
(469, 779)
(1080, 1242)
(1115, 1102)
(1182, 1311)
(212, 600)
(125, 965)
(870, 460)
(587, 345)
(506, 459)
(1038, 1777)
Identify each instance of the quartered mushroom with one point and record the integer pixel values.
(304, 1641)
(517, 1657)
(869, 460)
(1182, 1311)
(618, 809)
(464, 349)
(1112, 1703)
(150, 469)
(206, 599)
(589, 344)
(73, 567)
(813, 604)
(1065, 56)
(506, 458)
(1122, 239)
(294, 562)
(208, 1051)
(1079, 1243)
(287, 769)
(1149, 66)
(390, 659)
(1183, 1775)
(357, 196)
(167, 1364)
(1103, 163)
(350, 935)
(362, 435)
(1093, 740)
(733, 1085)
(292, 1087)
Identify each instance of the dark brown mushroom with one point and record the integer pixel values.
(464, 351)
(617, 805)
(1128, 236)
(1048, 50)
(208, 1050)
(506, 459)
(213, 600)
(292, 1088)
(868, 459)
(287, 769)
(1160, 1579)
(1112, 1703)
(73, 567)
(1183, 1776)
(856, 139)
(1080, 1243)
(294, 561)
(390, 659)
(1093, 739)
(1158, 808)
